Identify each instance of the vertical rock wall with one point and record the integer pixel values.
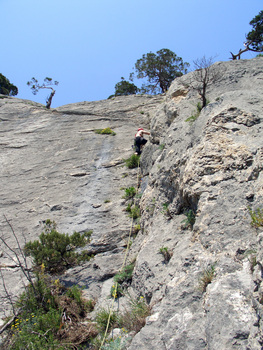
(213, 167)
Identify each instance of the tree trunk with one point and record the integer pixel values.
(49, 100)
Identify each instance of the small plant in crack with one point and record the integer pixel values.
(134, 211)
(166, 210)
(207, 277)
(130, 192)
(150, 209)
(133, 161)
(251, 254)
(166, 254)
(256, 217)
(122, 281)
(136, 229)
(189, 221)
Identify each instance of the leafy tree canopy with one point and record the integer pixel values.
(160, 69)
(48, 83)
(255, 36)
(6, 88)
(125, 88)
(254, 39)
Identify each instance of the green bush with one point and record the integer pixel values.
(40, 317)
(105, 315)
(256, 217)
(136, 229)
(74, 293)
(190, 219)
(133, 161)
(36, 332)
(42, 306)
(134, 319)
(56, 251)
(121, 278)
(116, 291)
(125, 275)
(130, 192)
(134, 212)
(106, 131)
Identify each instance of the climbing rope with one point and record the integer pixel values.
(122, 267)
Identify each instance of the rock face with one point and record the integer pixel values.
(198, 180)
(54, 166)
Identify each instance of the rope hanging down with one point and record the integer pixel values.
(122, 267)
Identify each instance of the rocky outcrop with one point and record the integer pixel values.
(212, 166)
(198, 180)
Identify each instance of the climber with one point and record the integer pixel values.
(139, 140)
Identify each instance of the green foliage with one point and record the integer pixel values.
(253, 262)
(130, 192)
(103, 316)
(115, 344)
(134, 212)
(40, 324)
(160, 69)
(6, 88)
(196, 114)
(116, 291)
(128, 208)
(207, 277)
(125, 275)
(166, 254)
(121, 281)
(105, 131)
(256, 217)
(37, 331)
(190, 219)
(89, 305)
(74, 293)
(56, 251)
(255, 36)
(35, 86)
(136, 229)
(133, 161)
(125, 88)
(134, 319)
(47, 84)
(37, 296)
(166, 210)
(162, 146)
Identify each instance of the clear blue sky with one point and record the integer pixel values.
(89, 45)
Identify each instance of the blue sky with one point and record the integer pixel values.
(89, 45)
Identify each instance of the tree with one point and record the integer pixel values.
(160, 69)
(48, 83)
(125, 88)
(204, 75)
(6, 88)
(254, 39)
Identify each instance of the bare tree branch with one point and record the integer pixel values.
(7, 293)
